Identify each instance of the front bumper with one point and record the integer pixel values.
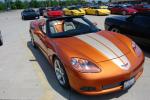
(31, 17)
(105, 82)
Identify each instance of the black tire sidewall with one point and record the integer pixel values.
(32, 41)
(115, 28)
(1, 40)
(66, 85)
(97, 14)
(72, 14)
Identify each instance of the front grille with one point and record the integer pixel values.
(111, 85)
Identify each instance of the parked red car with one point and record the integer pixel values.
(53, 12)
(142, 8)
(123, 9)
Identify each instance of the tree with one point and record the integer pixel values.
(34, 3)
(2, 6)
(18, 4)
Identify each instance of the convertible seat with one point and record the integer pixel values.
(56, 27)
(68, 26)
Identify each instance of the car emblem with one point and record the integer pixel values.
(125, 65)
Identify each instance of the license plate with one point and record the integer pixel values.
(127, 84)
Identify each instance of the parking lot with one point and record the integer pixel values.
(25, 74)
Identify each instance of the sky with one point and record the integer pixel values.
(87, 0)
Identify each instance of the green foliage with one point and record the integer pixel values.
(18, 4)
(21, 4)
(2, 6)
(34, 4)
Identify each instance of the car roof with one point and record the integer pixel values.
(29, 9)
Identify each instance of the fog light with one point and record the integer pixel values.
(87, 88)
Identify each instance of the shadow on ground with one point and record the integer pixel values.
(69, 94)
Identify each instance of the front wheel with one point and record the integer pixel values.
(115, 30)
(60, 73)
(22, 17)
(124, 13)
(1, 39)
(72, 14)
(97, 13)
(32, 41)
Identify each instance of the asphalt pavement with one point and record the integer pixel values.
(25, 74)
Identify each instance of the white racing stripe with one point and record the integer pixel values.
(106, 47)
(97, 46)
(107, 43)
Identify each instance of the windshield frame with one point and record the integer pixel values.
(69, 33)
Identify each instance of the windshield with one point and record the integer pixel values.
(147, 6)
(103, 7)
(94, 7)
(29, 10)
(70, 27)
(127, 6)
(56, 8)
(73, 8)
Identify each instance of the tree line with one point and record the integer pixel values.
(19, 4)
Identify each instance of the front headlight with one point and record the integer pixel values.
(136, 48)
(84, 66)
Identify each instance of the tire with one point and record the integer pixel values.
(38, 17)
(124, 13)
(60, 73)
(86, 12)
(72, 14)
(114, 29)
(1, 39)
(96, 13)
(32, 41)
(22, 17)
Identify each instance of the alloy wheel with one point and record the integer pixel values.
(59, 71)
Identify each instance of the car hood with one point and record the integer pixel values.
(123, 18)
(30, 13)
(104, 10)
(56, 11)
(97, 47)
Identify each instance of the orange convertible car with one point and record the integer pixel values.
(85, 58)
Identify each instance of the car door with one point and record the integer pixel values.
(88, 10)
(46, 41)
(115, 9)
(93, 11)
(43, 39)
(139, 8)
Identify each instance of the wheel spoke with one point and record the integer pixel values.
(59, 72)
